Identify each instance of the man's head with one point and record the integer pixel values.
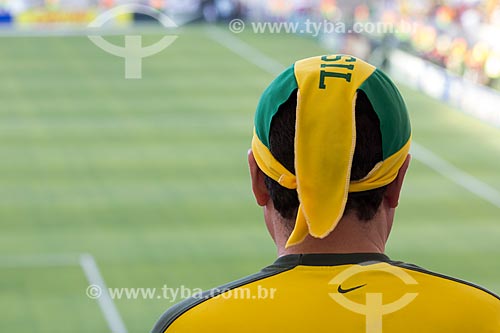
(341, 135)
(367, 153)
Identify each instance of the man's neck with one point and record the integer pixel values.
(350, 236)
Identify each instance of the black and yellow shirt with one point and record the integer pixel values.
(338, 293)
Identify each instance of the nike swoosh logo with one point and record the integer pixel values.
(343, 291)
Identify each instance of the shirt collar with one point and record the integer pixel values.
(329, 259)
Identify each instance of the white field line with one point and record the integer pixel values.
(245, 51)
(108, 308)
(419, 152)
(90, 269)
(56, 30)
(456, 175)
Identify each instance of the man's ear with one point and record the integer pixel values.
(394, 189)
(258, 185)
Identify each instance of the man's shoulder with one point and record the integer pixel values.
(177, 310)
(455, 301)
(449, 282)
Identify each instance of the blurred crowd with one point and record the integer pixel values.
(459, 35)
(209, 10)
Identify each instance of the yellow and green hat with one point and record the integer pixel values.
(325, 136)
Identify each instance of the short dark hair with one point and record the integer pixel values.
(368, 152)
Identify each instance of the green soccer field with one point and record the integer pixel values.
(149, 177)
